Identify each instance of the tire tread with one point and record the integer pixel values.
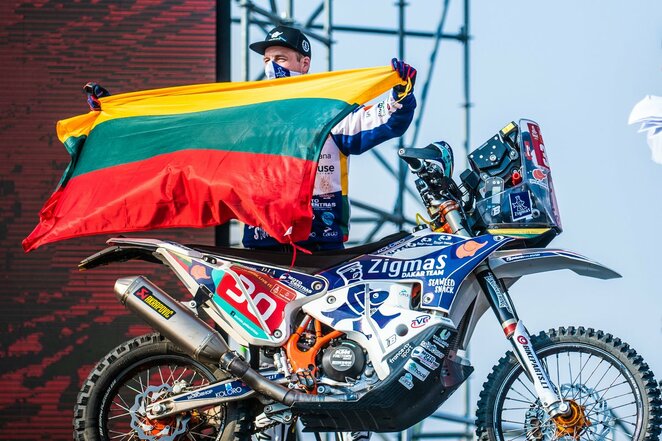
(606, 341)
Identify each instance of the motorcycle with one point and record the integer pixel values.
(372, 337)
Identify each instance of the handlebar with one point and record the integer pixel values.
(414, 163)
(433, 166)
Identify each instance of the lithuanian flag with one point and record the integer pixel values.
(197, 156)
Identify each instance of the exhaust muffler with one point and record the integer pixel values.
(172, 319)
(181, 326)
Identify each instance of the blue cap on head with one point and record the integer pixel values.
(284, 36)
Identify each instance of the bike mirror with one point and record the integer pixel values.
(444, 156)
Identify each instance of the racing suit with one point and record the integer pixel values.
(358, 132)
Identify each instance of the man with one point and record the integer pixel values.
(286, 52)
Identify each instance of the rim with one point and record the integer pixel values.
(599, 383)
(146, 380)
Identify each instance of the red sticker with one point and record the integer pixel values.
(538, 146)
(268, 296)
(539, 174)
(468, 249)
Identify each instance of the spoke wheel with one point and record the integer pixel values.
(611, 392)
(123, 406)
(111, 404)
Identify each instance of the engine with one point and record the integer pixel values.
(344, 362)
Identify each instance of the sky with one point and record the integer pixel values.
(575, 67)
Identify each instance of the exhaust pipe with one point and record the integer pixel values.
(172, 319)
(179, 325)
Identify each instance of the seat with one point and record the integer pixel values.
(306, 263)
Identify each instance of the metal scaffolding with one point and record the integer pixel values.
(319, 26)
(253, 15)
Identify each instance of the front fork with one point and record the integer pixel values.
(448, 214)
(512, 326)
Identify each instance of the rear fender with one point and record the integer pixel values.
(253, 303)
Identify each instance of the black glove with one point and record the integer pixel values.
(406, 72)
(94, 92)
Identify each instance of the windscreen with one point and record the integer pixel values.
(537, 171)
(528, 202)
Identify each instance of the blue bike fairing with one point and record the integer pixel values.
(440, 262)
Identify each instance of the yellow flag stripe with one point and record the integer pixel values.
(351, 86)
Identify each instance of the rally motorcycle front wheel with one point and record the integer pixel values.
(110, 405)
(611, 391)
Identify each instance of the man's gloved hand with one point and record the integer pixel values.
(406, 72)
(94, 92)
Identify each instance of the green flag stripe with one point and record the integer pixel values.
(238, 129)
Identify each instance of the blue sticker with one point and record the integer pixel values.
(538, 255)
(434, 240)
(354, 308)
(526, 256)
(302, 283)
(327, 218)
(224, 390)
(520, 205)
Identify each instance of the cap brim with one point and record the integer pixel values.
(262, 46)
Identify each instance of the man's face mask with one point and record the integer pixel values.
(273, 70)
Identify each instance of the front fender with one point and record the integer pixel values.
(509, 266)
(516, 263)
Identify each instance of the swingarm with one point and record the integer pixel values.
(210, 395)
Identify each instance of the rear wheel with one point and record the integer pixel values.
(110, 405)
(611, 391)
